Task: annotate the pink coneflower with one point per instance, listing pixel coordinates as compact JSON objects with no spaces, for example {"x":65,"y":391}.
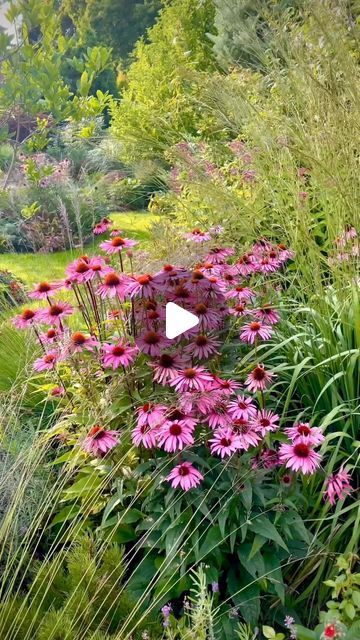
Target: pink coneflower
{"x":338,"y":486}
{"x":242,"y":408}
{"x":303,"y":432}
{"x":102,"y":226}
{"x":258,"y":379}
{"x":152,"y":343}
{"x":56,"y":313}
{"x":203,"y":346}
{"x":151,"y":415}
{"x":143,"y":435}
{"x":46,"y":362}
{"x":26,"y":319}
{"x":299,"y":456}
{"x":99,"y":441}
{"x":219,"y":415}
{"x":117,"y":244}
{"x":118,"y":354}
{"x":174,"y":414}
{"x":167,"y":367}
{"x":51,"y":335}
{"x":239,"y":310}
{"x":224,"y":442}
{"x":199,"y":402}
{"x":240,"y":293}
{"x":44,"y":289}
{"x":192,"y":379}
{"x":174,"y":436}
{"x":57,"y":391}
{"x":226,"y":387}
{"x":267,"y":314}
{"x":246,"y":264}
{"x":264,"y":421}
{"x":217,"y":255}
{"x":284,"y":253}
{"x":269,"y":458}
{"x":79,"y":270}
{"x":247,"y":436}
{"x":185,"y":476}
{"x":143,"y":286}
{"x":255,"y":330}
{"x":198,"y":236}
{"x":268,"y":265}
{"x":169,"y":274}
{"x":98,"y":267}
{"x":79,"y":342}
{"x":113,"y":285}
{"x":209,"y":318}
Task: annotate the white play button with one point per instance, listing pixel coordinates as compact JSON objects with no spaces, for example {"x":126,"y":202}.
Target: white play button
{"x":178,"y":320}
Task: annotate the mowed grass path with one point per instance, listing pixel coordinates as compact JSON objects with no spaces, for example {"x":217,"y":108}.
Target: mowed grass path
{"x":34,"y":267}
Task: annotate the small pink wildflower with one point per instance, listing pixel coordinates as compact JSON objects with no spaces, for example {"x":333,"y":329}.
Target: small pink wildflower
{"x":44,"y":289}
{"x":304,"y":433}
{"x":46,"y":362}
{"x":338,"y":486}
{"x":255,"y":330}
{"x":99,"y":441}
{"x":192,"y":379}
{"x":265,"y":421}
{"x":258,"y":379}
{"x":224,"y":442}
{"x":185,"y":475}
{"x":299,"y":456}
{"x":174,"y":436}
{"x":117,"y":244}
{"x":118,"y":354}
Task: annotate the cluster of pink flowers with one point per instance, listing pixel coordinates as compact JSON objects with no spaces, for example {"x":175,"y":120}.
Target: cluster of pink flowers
{"x":347,"y":246}
{"x":124,"y":323}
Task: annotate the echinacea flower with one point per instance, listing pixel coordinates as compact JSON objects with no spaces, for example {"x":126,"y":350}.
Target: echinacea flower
{"x":246,"y":434}
{"x":47,"y":362}
{"x":255,"y":330}
{"x":151,"y":415}
{"x":26,"y":319}
{"x":198,"y":236}
{"x":99,"y":441}
{"x":118,"y":354}
{"x":239,"y":310}
{"x":264,"y":421}
{"x":117,"y":244}
{"x":56,"y":313}
{"x":192,"y":379}
{"x":338,"y":486}
{"x":167,"y":367}
{"x":208,"y":318}
{"x":102,"y":226}
{"x":218,"y":417}
{"x":203,"y":346}
{"x":185,"y":475}
{"x":258,"y":379}
{"x":217,"y":255}
{"x":224,"y":442}
{"x":79,"y":341}
{"x":175,"y":435}
{"x":152,"y":343}
{"x":143,"y":286}
{"x":299,"y":456}
{"x":44,"y":289}
{"x":143,"y":435}
{"x":226,"y":386}
{"x":267,"y":314}
{"x":113,"y":285}
{"x":242,"y":408}
{"x":304,"y":433}
{"x":79,"y":270}
{"x":240,"y":293}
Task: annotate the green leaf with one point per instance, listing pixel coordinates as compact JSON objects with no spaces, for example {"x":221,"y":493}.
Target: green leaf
{"x":212,"y":540}
{"x":268,"y":632}
{"x":67,"y":513}
{"x":350,"y":610}
{"x":304,"y":634}
{"x":265,"y":528}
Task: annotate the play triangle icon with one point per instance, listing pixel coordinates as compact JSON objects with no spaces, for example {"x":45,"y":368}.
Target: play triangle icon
{"x":178,"y":320}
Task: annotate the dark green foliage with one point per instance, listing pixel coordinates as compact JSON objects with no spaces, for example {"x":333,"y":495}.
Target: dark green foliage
{"x":11,"y":290}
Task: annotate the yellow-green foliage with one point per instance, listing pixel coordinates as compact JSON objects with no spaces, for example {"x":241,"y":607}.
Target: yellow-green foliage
{"x":157,"y":102}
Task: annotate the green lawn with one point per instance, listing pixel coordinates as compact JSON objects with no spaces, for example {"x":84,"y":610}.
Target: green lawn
{"x":34,"y":267}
